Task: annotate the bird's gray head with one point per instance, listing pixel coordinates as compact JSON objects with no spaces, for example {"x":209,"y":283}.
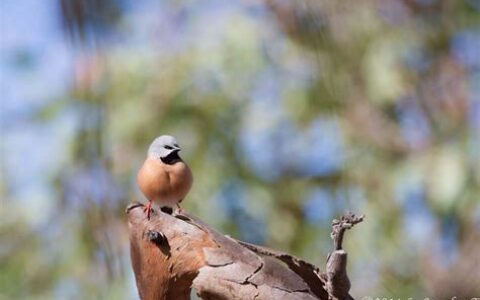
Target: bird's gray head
{"x":163,"y":146}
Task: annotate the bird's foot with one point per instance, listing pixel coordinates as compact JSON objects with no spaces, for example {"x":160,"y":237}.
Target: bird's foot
{"x":148,"y":209}
{"x":179,"y":210}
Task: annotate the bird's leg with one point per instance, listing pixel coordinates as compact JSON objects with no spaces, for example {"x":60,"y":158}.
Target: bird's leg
{"x":148,"y":209}
{"x":179,"y":209}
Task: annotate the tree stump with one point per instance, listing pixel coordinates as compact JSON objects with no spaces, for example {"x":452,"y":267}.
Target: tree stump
{"x":171,"y":254}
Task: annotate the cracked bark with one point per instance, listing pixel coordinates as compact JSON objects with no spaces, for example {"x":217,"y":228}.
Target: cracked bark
{"x":173,"y":254}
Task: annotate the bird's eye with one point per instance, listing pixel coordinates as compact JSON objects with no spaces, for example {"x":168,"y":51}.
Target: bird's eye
{"x":168,"y":147}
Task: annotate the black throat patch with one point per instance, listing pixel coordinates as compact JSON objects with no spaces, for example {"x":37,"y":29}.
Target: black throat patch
{"x":171,"y":158}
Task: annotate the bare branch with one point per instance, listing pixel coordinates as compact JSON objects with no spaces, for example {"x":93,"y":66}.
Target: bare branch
{"x":338,"y":283}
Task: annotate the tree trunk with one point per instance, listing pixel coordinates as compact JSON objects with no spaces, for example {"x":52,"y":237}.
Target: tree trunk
{"x":172,"y":253}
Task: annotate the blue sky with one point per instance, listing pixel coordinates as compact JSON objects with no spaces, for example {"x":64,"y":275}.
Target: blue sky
{"x":36,"y":64}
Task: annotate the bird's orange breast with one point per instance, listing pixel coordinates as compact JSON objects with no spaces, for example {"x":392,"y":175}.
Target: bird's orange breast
{"x":163,"y":183}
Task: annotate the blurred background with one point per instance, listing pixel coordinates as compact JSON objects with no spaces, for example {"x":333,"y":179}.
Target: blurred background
{"x":290,"y":113}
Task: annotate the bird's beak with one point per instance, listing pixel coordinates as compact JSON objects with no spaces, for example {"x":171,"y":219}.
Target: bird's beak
{"x":177,"y":148}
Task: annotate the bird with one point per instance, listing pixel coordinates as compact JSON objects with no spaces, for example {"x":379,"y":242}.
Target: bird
{"x":164,"y":178}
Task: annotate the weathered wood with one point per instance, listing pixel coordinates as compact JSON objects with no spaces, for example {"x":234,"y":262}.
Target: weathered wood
{"x":165,"y":270}
{"x":173,"y":253}
{"x":338,"y":283}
